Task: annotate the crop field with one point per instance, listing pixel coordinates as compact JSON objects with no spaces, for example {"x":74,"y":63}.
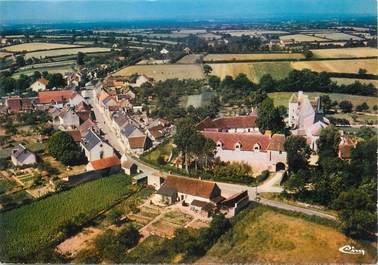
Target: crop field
{"x":254,"y":71}
{"x":264,"y":235}
{"x":51,"y":69}
{"x":27,"y":229}
{"x":190,"y":59}
{"x":5,"y":54}
{"x":345,"y":53}
{"x":348,"y":81}
{"x":250,"y":57}
{"x":301,"y":38}
{"x":37,"y":46}
{"x":239,"y":33}
{"x":337,"y":36}
{"x":62,"y":52}
{"x":282,"y":98}
{"x":163,"y":72}
{"x":339,"y":66}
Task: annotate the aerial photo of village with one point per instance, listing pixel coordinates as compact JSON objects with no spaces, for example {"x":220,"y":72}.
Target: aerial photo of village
{"x":188,"y":131}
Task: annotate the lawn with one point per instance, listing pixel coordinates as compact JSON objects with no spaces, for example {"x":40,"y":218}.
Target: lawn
{"x":254,"y":71}
{"x":197,"y":101}
{"x":29,"y":229}
{"x":164,"y":150}
{"x":265,"y":235}
{"x":164,"y":71}
{"x":177,"y":217}
{"x":61,"y":69}
{"x":282,"y":98}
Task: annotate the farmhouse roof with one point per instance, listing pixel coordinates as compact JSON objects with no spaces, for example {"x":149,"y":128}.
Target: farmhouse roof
{"x":167,"y":191}
{"x":105,"y":163}
{"x":21,"y":153}
{"x":16,"y":104}
{"x":137,"y":142}
{"x":246,"y":140}
{"x":90,"y":140}
{"x":128,"y":164}
{"x":86,"y":126}
{"x":228,"y":122}
{"x":195,"y":187}
{"x":46,"y":97}
{"x":277,"y":143}
{"x":131,"y":130}
{"x":231,"y":201}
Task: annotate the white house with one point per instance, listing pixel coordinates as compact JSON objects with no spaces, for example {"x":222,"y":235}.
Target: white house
{"x":164,"y":51}
{"x":259,"y":151}
{"x":21,"y":156}
{"x":67,"y":119}
{"x":76,"y":99}
{"x":142,"y":79}
{"x":94,"y":147}
{"x":39,"y":85}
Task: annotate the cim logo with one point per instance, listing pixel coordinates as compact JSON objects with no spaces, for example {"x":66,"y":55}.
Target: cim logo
{"x":351,"y":250}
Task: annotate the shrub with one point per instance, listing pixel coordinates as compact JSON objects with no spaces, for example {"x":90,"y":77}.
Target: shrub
{"x":263,"y":176}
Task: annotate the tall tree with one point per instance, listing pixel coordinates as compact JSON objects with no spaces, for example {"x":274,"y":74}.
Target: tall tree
{"x":63,"y":148}
{"x":328,"y":142}
{"x":298,"y":153}
{"x":269,"y":118}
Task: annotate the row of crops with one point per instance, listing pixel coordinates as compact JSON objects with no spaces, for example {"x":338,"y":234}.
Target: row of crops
{"x":28,"y":229}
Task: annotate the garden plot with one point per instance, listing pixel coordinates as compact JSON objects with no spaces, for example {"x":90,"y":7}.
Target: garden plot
{"x":168,"y":223}
{"x":145,"y":215}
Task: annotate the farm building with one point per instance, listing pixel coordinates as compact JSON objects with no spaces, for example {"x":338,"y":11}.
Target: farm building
{"x":130,"y":167}
{"x":56,"y":98}
{"x":230,"y":124}
{"x":17,"y":104}
{"x":112,"y":164}
{"x":155,"y":180}
{"x":259,"y":151}
{"x":21,"y":156}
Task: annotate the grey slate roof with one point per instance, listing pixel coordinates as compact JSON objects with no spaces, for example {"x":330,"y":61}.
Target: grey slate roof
{"x":170,"y":192}
{"x":21,"y":153}
{"x":90,"y":140}
{"x":128,"y":130}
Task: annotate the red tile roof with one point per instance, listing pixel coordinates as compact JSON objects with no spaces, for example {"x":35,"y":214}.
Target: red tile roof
{"x":76,"y":135}
{"x":195,"y":187}
{"x":43,"y":81}
{"x":345,"y":151}
{"x":137,"y":142}
{"x":228,"y":122}
{"x":247,"y":140}
{"x":46,"y":97}
{"x":105,"y":163}
{"x":16,"y":104}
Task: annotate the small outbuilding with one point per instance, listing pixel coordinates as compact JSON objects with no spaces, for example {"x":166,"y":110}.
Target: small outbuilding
{"x":130,"y":167}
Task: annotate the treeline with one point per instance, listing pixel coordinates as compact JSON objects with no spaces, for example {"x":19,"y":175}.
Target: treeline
{"x":234,"y":90}
{"x":349,"y":187}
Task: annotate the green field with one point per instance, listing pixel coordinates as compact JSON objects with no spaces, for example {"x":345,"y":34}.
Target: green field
{"x":282,"y":98}
{"x":59,"y":68}
{"x":6,"y":184}
{"x":197,"y":101}
{"x":163,"y":150}
{"x":265,"y":235}
{"x":29,"y":229}
{"x":254,"y":71}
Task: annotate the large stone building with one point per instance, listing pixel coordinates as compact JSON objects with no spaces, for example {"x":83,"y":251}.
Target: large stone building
{"x":306,"y":118}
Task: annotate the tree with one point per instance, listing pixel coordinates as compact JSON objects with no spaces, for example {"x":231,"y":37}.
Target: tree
{"x":298,"y":153}
{"x":328,"y":142}
{"x":362,"y":71}
{"x":63,"y":148}
{"x":308,"y":54}
{"x":56,"y":80}
{"x":80,"y":58}
{"x":20,"y":60}
{"x":267,"y":83}
{"x":269,"y":118}
{"x":362,"y":107}
{"x":207,"y":69}
{"x":214,"y":81}
{"x":327,"y":103}
{"x":129,"y":236}
{"x":346,"y":106}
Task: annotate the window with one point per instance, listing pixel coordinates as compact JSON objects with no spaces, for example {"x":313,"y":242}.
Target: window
{"x":238,"y":146}
{"x":101,"y":154}
{"x":257,"y":147}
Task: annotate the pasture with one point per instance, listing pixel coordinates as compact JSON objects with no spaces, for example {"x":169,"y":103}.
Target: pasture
{"x":337,"y":36}
{"x":301,"y":38}
{"x":345,"y":53}
{"x":197,"y":101}
{"x":265,"y":235}
{"x":252,"y":56}
{"x":37,"y":46}
{"x":190,"y":59}
{"x":339,"y":66}
{"x":254,"y":71}
{"x":282,"y":98}
{"x":30,"y":228}
{"x":164,"y":72}
{"x":62,"y":52}
{"x":51,"y":69}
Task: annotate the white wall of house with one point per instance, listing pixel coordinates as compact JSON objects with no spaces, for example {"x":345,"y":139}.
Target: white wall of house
{"x":70,"y":120}
{"x":258,"y":160}
{"x":155,"y":181}
{"x":76,"y":100}
{"x":189,"y":198}
{"x":38,"y":86}
{"x":101,"y":150}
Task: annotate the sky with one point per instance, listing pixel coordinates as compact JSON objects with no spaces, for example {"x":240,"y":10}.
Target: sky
{"x":13,"y":11}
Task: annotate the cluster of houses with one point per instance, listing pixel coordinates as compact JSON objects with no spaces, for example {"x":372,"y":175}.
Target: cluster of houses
{"x":135,"y":130}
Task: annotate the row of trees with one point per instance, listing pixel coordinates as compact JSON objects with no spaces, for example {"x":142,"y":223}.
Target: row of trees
{"x":346,"y":186}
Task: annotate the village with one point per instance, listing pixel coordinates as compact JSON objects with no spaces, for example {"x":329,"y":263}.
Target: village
{"x":204,"y":142}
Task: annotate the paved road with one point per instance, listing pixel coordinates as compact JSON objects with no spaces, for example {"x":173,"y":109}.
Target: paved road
{"x":228,"y":189}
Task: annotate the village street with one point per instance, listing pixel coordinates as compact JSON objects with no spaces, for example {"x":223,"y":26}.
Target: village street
{"x":228,"y":189}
